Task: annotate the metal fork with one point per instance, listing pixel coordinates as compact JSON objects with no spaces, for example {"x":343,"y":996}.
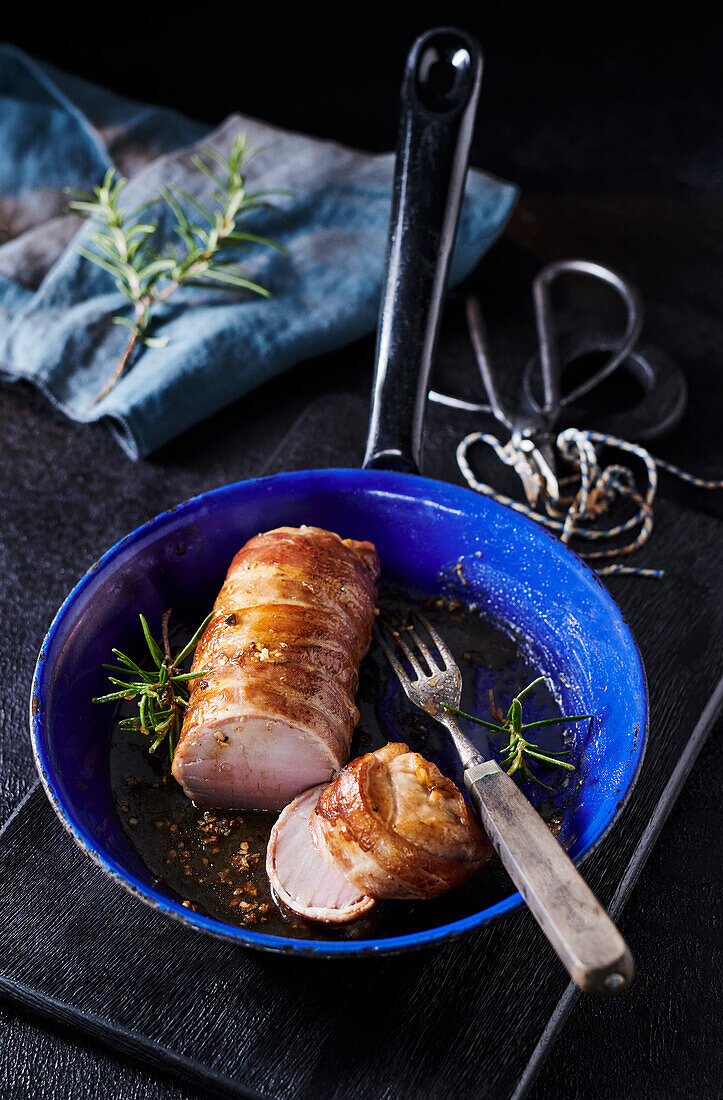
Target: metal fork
{"x":583,"y":935}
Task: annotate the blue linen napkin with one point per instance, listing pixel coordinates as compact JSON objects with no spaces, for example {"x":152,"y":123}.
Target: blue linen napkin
{"x":57,"y":309}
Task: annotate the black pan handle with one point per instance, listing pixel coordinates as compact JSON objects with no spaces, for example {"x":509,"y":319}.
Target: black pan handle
{"x":439,"y":99}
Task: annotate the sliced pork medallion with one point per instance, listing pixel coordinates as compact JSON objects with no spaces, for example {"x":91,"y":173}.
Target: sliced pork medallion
{"x":395,"y":827}
{"x":301,"y":879}
{"x":274,"y":712}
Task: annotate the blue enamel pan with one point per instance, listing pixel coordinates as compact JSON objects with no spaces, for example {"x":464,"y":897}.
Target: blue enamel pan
{"x":515,"y":571}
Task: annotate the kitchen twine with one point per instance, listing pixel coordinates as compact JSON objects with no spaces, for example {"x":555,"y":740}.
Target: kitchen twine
{"x":597,"y":489}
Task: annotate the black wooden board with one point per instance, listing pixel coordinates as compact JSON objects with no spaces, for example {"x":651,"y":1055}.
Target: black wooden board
{"x":75,"y":947}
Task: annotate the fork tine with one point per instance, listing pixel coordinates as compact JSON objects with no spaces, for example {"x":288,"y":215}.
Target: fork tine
{"x":423,"y":649}
{"x":409,"y":653}
{"x":392,"y":657}
{"x":443,"y":649}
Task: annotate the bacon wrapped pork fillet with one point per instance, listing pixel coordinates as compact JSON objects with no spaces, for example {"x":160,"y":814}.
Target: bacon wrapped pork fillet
{"x":274,"y":712}
{"x":389,"y":826}
{"x":395,"y":827}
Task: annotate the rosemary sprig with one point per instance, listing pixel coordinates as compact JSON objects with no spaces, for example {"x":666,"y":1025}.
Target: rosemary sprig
{"x":161,"y":693}
{"x":207,"y":253}
{"x":514,"y":755}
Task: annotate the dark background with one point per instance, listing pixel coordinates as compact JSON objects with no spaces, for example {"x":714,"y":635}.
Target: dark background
{"x":610,"y":119}
{"x":602,"y":88}
{"x":594,"y":90}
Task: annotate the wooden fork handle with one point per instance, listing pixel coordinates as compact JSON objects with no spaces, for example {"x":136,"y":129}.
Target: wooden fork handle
{"x":561,"y":902}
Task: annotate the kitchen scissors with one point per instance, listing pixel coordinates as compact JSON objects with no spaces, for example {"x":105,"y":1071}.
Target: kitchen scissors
{"x":546,"y":406}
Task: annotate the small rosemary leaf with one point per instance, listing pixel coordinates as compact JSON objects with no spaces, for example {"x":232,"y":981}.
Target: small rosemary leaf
{"x":533,"y":778}
{"x":112,"y":696}
{"x":193,"y":201}
{"x":155,"y":268}
{"x":246,"y":206}
{"x":194,"y":256}
{"x":251,"y":149}
{"x":525,"y":691}
{"x":156,"y":341}
{"x":149,"y":688}
{"x":229,"y":251}
{"x":139,"y":253}
{"x":472,"y":718}
{"x":128,"y":272}
{"x":141,"y":227}
{"x":117,"y":266}
{"x":517,"y":715}
{"x":215,"y":155}
{"x":176,"y":207}
{"x":153,"y":648}
{"x":549,"y":759}
{"x":253,"y":195}
{"x":231,"y":279}
{"x":81,"y":205}
{"x":185,"y":236}
{"x":203,"y":167}
{"x":183,"y":227}
{"x":254,"y":239}
{"x":228,"y":263}
{"x":125,"y":660}
{"x":107,"y":247}
{"x":180,"y":658}
{"x":116,"y":189}
{"x":202,"y":236}
{"x":125,"y":321}
{"x":94,"y":258}
{"x":86,"y":196}
{"x":556,"y":721}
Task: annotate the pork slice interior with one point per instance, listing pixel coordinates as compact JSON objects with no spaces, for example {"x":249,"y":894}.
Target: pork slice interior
{"x":251,"y":763}
{"x":300,"y":877}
